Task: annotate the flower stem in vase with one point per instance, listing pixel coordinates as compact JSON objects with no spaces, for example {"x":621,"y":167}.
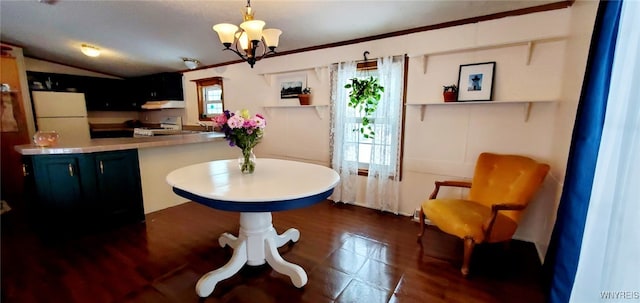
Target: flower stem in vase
{"x":247,"y":162}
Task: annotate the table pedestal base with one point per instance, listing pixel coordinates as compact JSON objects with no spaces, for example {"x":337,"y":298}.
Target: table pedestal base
{"x":256,"y":244}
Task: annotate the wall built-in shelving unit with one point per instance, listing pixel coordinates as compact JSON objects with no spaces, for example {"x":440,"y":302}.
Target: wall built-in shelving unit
{"x":526,"y":105}
{"x":317,"y":70}
{"x":530,"y":43}
{"x":320,"y":109}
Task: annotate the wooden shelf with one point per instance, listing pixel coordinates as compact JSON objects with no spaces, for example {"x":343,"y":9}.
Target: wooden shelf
{"x":526,"y":105}
{"x":318,"y":73}
{"x":530,"y":43}
{"x":318,"y":108}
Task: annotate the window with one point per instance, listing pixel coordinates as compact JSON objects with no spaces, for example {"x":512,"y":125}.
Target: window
{"x":361,"y":146}
{"x":383,"y":151}
{"x":210,"y":97}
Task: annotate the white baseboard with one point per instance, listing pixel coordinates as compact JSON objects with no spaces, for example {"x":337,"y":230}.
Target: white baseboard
{"x":416,"y":215}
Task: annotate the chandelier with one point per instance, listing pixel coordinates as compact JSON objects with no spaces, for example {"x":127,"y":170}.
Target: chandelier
{"x":248,"y":38}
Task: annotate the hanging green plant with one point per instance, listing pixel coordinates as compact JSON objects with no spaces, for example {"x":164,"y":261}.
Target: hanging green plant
{"x":364,"y":97}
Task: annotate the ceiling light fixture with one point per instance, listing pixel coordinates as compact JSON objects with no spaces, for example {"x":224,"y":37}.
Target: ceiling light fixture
{"x":248,"y":37}
{"x":90,"y":50}
{"x":191,"y":63}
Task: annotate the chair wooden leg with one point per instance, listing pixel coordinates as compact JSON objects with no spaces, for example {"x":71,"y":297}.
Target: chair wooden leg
{"x":469,"y":244}
{"x":421,"y":217}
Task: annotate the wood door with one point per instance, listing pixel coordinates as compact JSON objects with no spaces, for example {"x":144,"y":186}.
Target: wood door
{"x":14,"y":132}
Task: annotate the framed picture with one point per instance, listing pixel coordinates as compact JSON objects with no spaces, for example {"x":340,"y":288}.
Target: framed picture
{"x":475,"y":81}
{"x":292,"y":85}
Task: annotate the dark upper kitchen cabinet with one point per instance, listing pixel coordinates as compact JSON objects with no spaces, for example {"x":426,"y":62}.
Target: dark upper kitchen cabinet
{"x":105,"y":94}
{"x":101,"y":94}
{"x":159,"y":87}
{"x":55,"y":82}
{"x":83,"y":190}
{"x":109,"y":94}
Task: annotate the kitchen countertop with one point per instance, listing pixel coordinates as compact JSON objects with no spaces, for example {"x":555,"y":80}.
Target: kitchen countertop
{"x":111,"y":144}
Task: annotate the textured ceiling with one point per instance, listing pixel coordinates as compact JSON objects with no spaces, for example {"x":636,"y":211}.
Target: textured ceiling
{"x":145,"y":37}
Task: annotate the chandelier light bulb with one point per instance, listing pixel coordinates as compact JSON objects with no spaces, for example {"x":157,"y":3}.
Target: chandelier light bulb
{"x":226,"y":33}
{"x":271,"y":37}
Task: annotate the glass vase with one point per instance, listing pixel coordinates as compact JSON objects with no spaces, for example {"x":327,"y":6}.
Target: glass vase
{"x":247,"y":162}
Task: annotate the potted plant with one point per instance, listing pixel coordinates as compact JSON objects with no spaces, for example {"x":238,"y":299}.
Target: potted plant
{"x":305,"y":97}
{"x":450,"y":93}
{"x":364,"y":97}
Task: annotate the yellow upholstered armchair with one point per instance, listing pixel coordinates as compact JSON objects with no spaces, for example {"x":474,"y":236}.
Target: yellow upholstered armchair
{"x":501,"y":188}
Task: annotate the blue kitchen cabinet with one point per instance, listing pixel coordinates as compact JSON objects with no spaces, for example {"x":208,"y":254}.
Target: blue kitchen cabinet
{"x":118,"y":188}
{"x":57,"y":199}
{"x":77,"y":191}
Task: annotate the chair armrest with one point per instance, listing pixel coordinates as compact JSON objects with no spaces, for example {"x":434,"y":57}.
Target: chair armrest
{"x":495,"y":208}
{"x":434,"y":194}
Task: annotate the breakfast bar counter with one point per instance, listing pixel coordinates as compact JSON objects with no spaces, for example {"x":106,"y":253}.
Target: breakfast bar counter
{"x":112,"y":144}
{"x":153,"y":157}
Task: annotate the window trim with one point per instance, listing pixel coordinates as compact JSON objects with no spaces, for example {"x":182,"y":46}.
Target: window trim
{"x":200,"y":83}
{"x":365,"y":67}
{"x":404,"y":114}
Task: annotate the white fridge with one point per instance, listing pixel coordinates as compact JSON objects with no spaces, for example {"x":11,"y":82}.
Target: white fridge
{"x":63,"y":112}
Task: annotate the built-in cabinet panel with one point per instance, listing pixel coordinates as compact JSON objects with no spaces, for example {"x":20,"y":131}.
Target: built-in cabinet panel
{"x":58,"y":186}
{"x":118,"y":187}
{"x":104,"y":94}
{"x":15,"y":128}
{"x":159,"y":87}
{"x":56,"y":82}
{"x":83,"y":190}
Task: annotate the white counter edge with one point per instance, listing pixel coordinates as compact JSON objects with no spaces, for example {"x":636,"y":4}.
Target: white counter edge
{"x":111,"y":144}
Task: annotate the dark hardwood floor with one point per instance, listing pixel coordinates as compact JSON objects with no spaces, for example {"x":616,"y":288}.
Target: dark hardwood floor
{"x":351,"y":254}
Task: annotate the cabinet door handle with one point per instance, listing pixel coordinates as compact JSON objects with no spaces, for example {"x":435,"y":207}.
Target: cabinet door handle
{"x":24,"y":170}
{"x":101,"y":167}
{"x":70,"y":170}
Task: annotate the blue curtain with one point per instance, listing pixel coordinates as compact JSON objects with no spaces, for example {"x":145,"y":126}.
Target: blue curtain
{"x":561,"y":261}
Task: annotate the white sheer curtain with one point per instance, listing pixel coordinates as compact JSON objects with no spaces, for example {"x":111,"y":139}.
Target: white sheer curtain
{"x":343,"y":140}
{"x":609,"y":265}
{"x":383,"y":182}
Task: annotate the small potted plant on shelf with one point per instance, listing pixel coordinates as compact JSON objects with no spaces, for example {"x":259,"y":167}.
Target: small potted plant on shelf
{"x":450,"y":93}
{"x":305,"y":97}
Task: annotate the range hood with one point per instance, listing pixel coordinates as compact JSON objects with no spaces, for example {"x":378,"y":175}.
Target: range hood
{"x":163,"y":104}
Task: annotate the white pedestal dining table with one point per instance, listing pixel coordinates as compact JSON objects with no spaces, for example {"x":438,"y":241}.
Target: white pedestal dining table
{"x":276,"y":185}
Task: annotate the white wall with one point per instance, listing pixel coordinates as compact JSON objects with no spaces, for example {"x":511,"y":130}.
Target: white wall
{"x":156,"y":163}
{"x":446,"y":144}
